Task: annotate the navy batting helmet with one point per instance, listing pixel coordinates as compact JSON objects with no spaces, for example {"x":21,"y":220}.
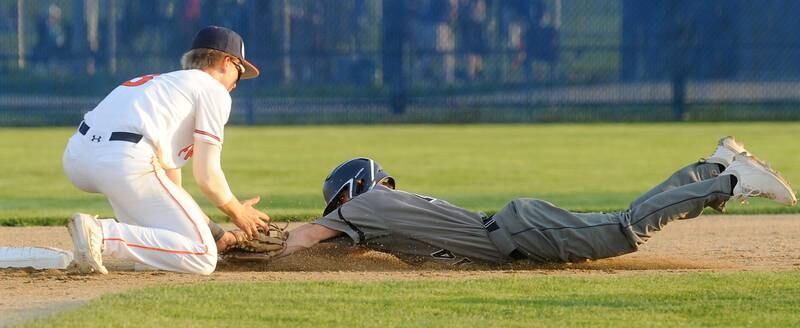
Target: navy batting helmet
{"x":355,"y":176}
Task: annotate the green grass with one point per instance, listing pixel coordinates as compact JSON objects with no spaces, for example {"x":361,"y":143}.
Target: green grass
{"x":583,"y":167}
{"x":630,"y":300}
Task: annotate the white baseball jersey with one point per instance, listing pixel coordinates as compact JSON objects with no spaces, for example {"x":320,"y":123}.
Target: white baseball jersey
{"x":157,"y":222}
{"x":169,"y":110}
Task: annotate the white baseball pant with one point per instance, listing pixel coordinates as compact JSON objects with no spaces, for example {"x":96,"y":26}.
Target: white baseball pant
{"x":160,"y":225}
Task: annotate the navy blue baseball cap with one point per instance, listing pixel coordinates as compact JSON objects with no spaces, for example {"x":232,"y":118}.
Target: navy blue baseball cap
{"x":227,"y":41}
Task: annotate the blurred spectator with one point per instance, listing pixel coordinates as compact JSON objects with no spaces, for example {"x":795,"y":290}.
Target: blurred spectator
{"x":351,"y":65}
{"x":168,"y":18}
{"x":446,"y":41}
{"x":52,"y":45}
{"x":532,"y":34}
{"x":232,"y":14}
{"x":8,"y":18}
{"x":152,"y":27}
{"x":8,"y":24}
{"x":190,"y":18}
{"x":433,"y":39}
{"x":543,"y":44}
{"x":307,"y":42}
{"x":340,"y":38}
{"x":517,"y":18}
{"x":509,"y":25}
{"x":360,"y":22}
{"x":472,"y":30}
{"x":92,"y":14}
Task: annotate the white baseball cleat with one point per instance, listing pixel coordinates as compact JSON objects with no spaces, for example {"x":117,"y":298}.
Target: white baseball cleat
{"x":87,"y":241}
{"x":727,"y":148}
{"x":757,"y":179}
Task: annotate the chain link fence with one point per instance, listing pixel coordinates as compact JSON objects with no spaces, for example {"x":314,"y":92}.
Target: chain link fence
{"x":427,"y":61}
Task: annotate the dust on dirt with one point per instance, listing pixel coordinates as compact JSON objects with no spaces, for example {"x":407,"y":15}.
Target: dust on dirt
{"x":710,"y":243}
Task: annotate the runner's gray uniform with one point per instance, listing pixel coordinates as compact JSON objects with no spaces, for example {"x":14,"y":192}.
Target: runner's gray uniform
{"x":416,"y":227}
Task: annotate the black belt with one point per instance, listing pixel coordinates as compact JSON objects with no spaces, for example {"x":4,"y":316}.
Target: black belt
{"x":121,"y":136}
{"x":490,"y":224}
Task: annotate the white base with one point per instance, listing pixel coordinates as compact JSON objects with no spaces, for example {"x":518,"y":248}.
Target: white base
{"x":34,"y":257}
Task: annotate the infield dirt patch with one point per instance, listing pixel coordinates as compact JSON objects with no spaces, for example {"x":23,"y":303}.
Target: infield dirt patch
{"x":710,"y":243}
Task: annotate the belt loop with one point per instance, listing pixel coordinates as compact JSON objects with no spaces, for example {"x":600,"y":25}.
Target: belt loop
{"x":83,"y":128}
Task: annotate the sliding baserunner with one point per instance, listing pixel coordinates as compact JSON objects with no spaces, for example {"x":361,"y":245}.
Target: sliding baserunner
{"x":363,"y":204}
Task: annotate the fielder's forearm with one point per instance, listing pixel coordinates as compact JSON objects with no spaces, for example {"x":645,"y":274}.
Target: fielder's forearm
{"x":231,"y":208}
{"x":207,"y":171}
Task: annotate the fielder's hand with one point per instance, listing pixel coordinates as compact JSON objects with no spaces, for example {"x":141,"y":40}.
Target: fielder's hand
{"x":249,"y":219}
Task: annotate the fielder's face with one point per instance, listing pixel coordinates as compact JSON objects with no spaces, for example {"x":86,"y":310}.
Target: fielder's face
{"x":232,"y":70}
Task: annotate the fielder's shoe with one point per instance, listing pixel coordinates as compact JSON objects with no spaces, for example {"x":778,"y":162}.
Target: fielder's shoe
{"x":87,"y":241}
{"x":727,"y":148}
{"x":757,"y":179}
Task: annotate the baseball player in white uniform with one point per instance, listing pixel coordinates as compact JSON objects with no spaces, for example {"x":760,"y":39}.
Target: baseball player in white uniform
{"x":131,"y":148}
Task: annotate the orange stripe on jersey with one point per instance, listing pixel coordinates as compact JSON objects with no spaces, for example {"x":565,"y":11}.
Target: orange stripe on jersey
{"x":207,"y":134}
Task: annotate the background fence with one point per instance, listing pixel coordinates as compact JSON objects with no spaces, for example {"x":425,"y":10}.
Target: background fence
{"x":368,"y":61}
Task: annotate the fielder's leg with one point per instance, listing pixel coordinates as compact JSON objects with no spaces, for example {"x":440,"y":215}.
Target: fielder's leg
{"x":160,"y":226}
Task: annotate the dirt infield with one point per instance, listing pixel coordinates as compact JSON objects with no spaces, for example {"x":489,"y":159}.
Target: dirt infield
{"x":711,"y":243}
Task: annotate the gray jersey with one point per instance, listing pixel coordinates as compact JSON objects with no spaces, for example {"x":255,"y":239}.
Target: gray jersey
{"x":413,"y":227}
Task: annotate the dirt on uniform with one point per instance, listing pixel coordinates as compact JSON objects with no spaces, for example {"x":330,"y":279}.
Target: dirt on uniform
{"x":710,"y":243}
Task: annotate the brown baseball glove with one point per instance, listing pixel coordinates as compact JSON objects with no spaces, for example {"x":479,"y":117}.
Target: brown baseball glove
{"x":264,"y":247}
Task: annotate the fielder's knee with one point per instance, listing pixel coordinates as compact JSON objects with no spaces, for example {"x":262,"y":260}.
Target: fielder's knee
{"x":202,"y":264}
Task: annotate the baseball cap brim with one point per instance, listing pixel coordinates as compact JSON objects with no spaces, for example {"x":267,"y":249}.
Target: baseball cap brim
{"x":250,"y":70}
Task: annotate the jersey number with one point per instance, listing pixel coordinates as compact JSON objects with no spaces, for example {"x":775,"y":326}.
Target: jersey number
{"x":135,"y":82}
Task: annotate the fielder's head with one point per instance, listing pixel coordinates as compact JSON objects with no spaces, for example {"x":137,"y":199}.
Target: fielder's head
{"x":220,"y":49}
{"x":352,"y":178}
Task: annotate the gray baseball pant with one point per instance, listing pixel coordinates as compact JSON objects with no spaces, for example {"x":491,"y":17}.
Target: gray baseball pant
{"x":543,"y":232}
